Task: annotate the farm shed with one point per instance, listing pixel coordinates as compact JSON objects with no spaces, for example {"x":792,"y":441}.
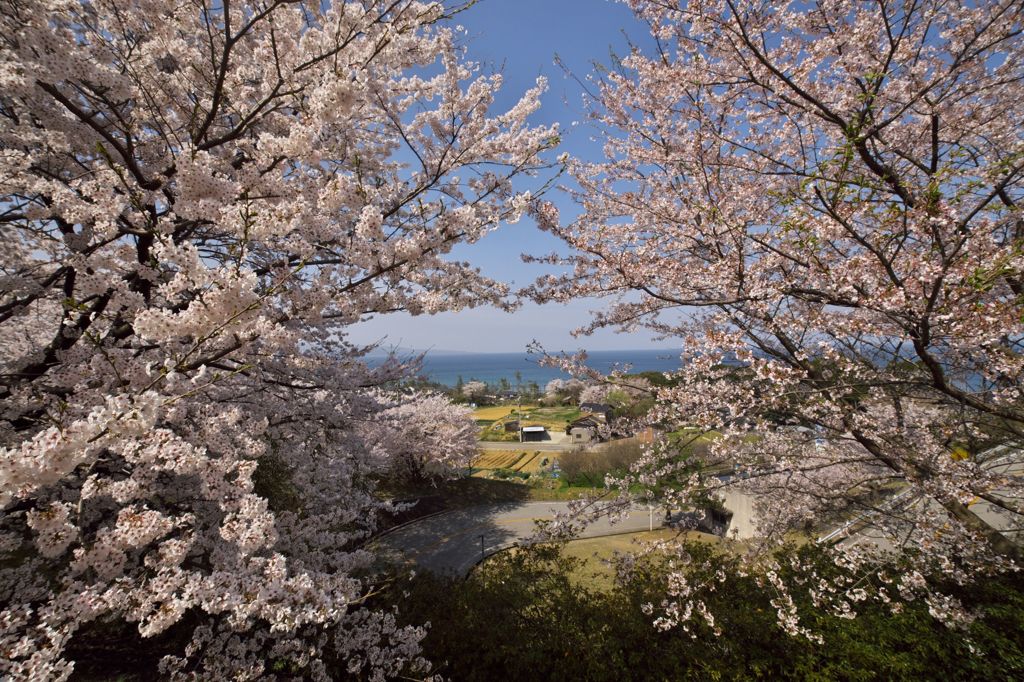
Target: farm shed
{"x":534,"y":433}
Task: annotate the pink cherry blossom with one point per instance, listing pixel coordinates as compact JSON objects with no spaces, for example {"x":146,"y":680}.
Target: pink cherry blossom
{"x":197,"y":200}
{"x":821,"y":203}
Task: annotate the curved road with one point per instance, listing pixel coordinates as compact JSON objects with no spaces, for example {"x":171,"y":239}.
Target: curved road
{"x":450,"y":542}
{"x":454,"y":541}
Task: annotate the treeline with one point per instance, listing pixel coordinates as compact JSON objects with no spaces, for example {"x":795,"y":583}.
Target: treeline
{"x":487,"y":391}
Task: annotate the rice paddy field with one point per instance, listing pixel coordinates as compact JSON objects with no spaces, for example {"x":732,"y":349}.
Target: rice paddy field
{"x":525,"y":462}
{"x":498,"y":459}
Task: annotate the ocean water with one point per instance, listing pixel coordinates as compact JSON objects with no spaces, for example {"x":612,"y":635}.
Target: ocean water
{"x":446,"y":368}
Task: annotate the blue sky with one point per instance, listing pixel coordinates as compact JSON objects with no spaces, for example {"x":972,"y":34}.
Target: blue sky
{"x":520,"y":38}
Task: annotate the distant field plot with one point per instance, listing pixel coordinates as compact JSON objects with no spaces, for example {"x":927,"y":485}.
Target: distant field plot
{"x":491,"y":413}
{"x":693,"y":439}
{"x":541,"y":460}
{"x":497,"y":459}
{"x":496,"y":433}
{"x":495,"y":412}
{"x":566,"y":412}
{"x":553,"y":418}
{"x":525,"y":461}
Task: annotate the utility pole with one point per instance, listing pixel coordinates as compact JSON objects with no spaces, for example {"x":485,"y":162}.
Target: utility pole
{"x":481,"y":546}
{"x":519,"y":413}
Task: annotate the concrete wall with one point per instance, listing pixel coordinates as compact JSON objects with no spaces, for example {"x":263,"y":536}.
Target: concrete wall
{"x":581,"y":434}
{"x":742,"y":507}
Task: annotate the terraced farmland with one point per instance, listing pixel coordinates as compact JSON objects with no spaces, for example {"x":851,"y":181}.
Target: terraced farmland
{"x":532,"y":463}
{"x":525,"y":462}
{"x":497,"y":459}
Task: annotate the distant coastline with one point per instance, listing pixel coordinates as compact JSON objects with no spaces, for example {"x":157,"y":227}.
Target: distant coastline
{"x":446,"y":367}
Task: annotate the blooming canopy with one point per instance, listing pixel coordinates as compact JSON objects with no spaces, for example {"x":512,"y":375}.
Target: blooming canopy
{"x":196,"y":199}
{"x":821,"y":201}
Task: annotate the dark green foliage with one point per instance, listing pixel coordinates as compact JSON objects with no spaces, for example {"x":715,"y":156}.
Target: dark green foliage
{"x":518,"y":618}
{"x":656,"y":378}
{"x":273,"y":480}
{"x":505,"y":474}
{"x":522,"y":616}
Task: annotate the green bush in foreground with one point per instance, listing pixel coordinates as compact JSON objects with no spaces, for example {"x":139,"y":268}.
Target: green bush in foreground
{"x":522,"y":617}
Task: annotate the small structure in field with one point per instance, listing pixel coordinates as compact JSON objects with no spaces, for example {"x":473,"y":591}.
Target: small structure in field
{"x":534,"y":433}
{"x":512,"y":426}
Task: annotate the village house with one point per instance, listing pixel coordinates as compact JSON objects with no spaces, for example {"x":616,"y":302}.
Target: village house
{"x":588,"y":428}
{"x":598,"y":411}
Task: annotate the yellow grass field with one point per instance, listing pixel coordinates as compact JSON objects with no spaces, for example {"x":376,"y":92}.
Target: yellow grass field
{"x":596,"y":573}
{"x":535,"y":464}
{"x":494,"y":412}
{"x":525,"y":461}
{"x":497,"y":459}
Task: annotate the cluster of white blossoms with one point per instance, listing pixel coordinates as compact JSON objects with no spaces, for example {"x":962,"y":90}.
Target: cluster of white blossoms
{"x":195,"y":204}
{"x":821,"y":202}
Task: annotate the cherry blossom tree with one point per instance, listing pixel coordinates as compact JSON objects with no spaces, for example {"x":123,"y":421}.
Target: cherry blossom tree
{"x":197,"y":198}
{"x":563,"y":390}
{"x":596,"y":393}
{"x":821,"y":201}
{"x":424,"y":436}
{"x":474,"y":389}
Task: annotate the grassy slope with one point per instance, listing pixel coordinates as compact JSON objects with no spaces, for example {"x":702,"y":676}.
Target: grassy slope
{"x":596,"y":572}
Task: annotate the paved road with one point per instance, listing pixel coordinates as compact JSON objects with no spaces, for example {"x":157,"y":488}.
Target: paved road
{"x":543,"y":446}
{"x":451,"y":542}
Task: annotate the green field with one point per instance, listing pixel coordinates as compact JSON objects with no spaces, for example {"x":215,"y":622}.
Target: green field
{"x":555,"y":419}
